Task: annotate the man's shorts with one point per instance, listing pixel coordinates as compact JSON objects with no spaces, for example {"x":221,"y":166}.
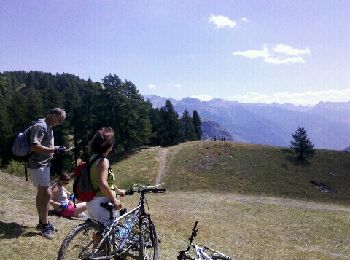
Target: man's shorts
{"x":40,"y":177}
{"x":68,"y":212}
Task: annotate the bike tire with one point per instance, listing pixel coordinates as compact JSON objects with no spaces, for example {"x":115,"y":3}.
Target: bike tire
{"x":79,"y":243}
{"x":148,"y":241}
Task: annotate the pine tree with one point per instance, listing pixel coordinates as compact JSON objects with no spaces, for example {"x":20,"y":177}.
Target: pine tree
{"x":170,"y":129}
{"x":197,"y":124}
{"x":5,"y":123}
{"x":187,"y":129}
{"x":301,"y":144}
{"x":126,"y":112}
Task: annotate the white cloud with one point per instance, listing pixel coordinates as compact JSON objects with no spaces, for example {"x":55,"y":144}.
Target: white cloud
{"x":203,"y":97}
{"x":222,"y":21}
{"x":297,"y":98}
{"x":284,"y":60}
{"x":244,"y":19}
{"x":253,"y":54}
{"x":151,"y":86}
{"x":287,"y":50}
{"x":177,"y":86}
{"x":280,"y":54}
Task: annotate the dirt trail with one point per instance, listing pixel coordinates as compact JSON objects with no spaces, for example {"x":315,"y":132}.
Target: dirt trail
{"x":162,"y":162}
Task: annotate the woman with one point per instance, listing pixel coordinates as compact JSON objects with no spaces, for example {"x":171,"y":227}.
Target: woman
{"x":102,"y":176}
{"x":62,"y":199}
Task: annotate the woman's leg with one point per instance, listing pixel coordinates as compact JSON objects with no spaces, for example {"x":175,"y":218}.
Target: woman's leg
{"x":80,"y":207}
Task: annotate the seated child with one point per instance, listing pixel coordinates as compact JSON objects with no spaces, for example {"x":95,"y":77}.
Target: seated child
{"x":62,"y":200}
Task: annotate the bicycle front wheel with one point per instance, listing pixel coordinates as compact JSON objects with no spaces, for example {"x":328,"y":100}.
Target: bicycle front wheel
{"x":82,"y":241}
{"x":148,"y":242}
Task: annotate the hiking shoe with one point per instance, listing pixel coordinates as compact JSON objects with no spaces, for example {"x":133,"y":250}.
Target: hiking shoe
{"x":40,"y":226}
{"x":47,"y":231}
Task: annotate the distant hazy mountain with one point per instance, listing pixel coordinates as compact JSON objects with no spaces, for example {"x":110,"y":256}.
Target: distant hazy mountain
{"x":213,"y":130}
{"x":327,"y":124}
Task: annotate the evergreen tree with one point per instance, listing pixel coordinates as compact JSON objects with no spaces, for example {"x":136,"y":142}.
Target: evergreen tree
{"x":301,"y":144}
{"x":126,"y":112}
{"x":187,"y":129}
{"x":5,"y":123}
{"x":170,"y":130}
{"x":156,"y":121}
{"x":26,"y":96}
{"x":197,"y":125}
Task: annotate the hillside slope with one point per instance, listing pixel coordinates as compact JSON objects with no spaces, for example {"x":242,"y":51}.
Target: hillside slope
{"x":242,"y":226}
{"x":256,"y":169}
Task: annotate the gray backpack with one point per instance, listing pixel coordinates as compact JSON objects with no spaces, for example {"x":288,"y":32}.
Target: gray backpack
{"x":22,"y":146}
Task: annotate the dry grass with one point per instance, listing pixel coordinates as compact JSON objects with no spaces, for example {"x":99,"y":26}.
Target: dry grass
{"x":246,"y":227}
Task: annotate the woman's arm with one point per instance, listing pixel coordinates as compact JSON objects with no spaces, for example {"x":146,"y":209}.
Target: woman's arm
{"x":55,"y":204}
{"x":119,"y":191}
{"x":102,"y":167}
{"x":53,"y":200}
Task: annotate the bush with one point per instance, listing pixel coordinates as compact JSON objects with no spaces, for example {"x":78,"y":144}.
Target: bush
{"x":16,"y":168}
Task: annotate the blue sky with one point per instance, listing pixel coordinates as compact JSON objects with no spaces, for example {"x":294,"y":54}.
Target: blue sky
{"x":249,"y":51}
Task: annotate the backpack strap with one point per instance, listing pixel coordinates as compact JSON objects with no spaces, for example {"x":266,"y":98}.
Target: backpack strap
{"x":40,"y":120}
{"x":90,"y":163}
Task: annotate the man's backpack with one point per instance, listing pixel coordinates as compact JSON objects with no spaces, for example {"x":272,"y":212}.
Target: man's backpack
{"x":22,"y":146}
{"x":82,"y":187}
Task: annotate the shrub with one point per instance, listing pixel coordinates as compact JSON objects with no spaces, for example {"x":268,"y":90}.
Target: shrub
{"x":15,"y":168}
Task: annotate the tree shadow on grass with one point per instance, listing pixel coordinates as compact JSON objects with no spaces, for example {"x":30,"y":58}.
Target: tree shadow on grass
{"x":14,"y":230}
{"x":296,"y":161}
{"x":116,"y":157}
{"x":292,"y":158}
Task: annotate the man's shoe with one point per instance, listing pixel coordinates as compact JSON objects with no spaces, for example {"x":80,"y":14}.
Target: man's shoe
{"x":40,"y":226}
{"x":47,"y":231}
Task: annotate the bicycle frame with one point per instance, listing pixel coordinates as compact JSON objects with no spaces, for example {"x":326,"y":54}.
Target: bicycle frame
{"x":109,"y":233}
{"x":200,"y":251}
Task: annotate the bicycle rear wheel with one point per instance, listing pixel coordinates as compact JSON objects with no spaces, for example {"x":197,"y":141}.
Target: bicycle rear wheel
{"x":81,"y":243}
{"x":148,"y":241}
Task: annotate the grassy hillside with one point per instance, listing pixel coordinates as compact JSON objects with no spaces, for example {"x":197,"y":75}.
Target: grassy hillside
{"x":204,"y":179}
{"x":246,"y":227}
{"x":255,"y":169}
{"x":139,"y":166}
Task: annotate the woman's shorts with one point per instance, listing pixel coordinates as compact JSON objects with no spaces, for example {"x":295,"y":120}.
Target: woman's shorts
{"x":68,"y":212}
{"x":98,"y":213}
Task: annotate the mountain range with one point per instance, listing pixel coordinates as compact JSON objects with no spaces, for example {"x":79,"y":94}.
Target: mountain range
{"x":327,"y":123}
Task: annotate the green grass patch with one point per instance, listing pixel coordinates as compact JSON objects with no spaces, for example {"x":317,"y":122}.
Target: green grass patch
{"x":140,"y":166}
{"x":257,"y":169}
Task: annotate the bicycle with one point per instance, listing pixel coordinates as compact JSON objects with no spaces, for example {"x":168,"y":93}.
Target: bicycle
{"x":133,"y":231}
{"x":201,"y":252}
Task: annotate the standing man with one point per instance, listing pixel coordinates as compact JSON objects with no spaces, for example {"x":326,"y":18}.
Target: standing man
{"x":42,"y":146}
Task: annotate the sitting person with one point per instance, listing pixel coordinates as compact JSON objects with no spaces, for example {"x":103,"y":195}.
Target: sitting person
{"x":102,"y":177}
{"x":62,"y":200}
